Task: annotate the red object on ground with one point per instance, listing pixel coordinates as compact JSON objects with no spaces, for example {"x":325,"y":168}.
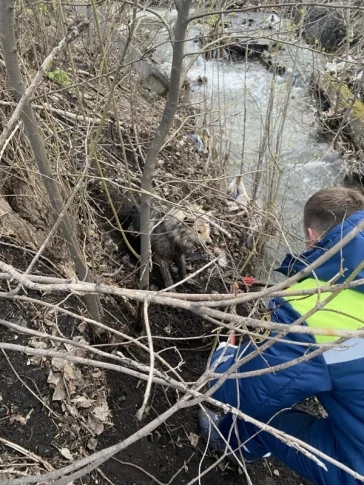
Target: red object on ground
{"x":249,"y":280}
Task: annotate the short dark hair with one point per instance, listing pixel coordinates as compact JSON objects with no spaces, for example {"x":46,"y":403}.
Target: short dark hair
{"x":331,"y":206}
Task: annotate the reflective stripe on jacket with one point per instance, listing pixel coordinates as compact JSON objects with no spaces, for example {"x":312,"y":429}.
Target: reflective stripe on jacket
{"x":344,"y":402}
{"x":336,"y":377}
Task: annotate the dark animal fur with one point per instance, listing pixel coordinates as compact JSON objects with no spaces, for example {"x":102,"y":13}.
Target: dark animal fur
{"x":170,"y":240}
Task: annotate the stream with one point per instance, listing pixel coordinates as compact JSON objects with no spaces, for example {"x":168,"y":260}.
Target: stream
{"x":235,"y":91}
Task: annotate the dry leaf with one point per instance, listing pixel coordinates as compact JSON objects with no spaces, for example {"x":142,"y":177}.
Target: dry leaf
{"x":82,"y":402}
{"x":193,"y":439}
{"x":71,"y":387}
{"x":101,"y":412}
{"x":222,"y":258}
{"x":92,"y":444}
{"x":95,"y":425}
{"x":65,"y":452}
{"x":53,"y":377}
{"x":79,"y":352}
{"x":79,"y":376}
{"x":59,"y":393}
{"x":68,"y":372}
{"x":58,"y":363}
{"x":35,"y":360}
{"x":37,"y":344}
{"x":20,"y":419}
{"x":72,"y":410}
{"x":83,"y":326}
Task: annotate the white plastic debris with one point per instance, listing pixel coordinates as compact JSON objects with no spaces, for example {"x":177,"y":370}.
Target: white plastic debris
{"x":222,"y":260}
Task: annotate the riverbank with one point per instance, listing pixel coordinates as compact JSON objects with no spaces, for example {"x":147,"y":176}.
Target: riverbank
{"x":234,"y":118}
{"x":53,"y":412}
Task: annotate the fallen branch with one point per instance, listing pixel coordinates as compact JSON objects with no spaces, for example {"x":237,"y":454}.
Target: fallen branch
{"x":99,"y":457}
{"x":93,"y":350}
{"x":35,"y":278}
{"x":76,"y":118}
{"x":148,"y":388}
{"x":27,"y":453}
{"x":195,"y":307}
{"x":196,"y":297}
{"x":199,"y":309}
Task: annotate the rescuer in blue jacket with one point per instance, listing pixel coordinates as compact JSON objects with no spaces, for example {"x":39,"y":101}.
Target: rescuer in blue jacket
{"x":335,"y":377}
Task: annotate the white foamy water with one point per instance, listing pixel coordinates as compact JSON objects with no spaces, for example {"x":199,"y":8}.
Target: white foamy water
{"x":238,"y":96}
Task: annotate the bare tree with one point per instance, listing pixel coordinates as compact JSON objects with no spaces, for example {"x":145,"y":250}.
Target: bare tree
{"x":8,"y":42}
{"x":183,"y":8}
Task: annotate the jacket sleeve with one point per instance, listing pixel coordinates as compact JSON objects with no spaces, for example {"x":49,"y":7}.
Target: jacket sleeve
{"x":262,"y":396}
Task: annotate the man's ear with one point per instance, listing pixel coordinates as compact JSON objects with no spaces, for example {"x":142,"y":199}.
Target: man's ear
{"x":312,"y":236}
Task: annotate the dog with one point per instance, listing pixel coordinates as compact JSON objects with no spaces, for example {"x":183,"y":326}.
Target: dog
{"x":173,"y":234}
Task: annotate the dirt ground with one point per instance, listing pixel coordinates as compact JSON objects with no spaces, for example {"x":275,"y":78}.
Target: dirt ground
{"x":168,"y":450}
{"x":44,"y":428}
{"x":51,"y":414}
{"x":154,"y":459}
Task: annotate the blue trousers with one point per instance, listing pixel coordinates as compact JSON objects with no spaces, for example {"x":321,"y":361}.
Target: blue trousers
{"x":316,"y":432}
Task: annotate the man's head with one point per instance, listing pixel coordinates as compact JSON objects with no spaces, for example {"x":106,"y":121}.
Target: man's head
{"x":327,"y":208}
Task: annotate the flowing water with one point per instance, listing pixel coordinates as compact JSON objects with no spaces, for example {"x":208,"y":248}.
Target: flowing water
{"x":238,"y":94}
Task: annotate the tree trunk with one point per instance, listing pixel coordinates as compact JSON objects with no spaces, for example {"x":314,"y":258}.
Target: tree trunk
{"x":183,"y":7}
{"x":8,"y":42}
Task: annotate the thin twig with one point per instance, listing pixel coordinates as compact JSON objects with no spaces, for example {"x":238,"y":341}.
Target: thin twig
{"x":141,"y":469}
{"x":25,"y":452}
{"x":38,"y":78}
{"x":25,"y":385}
{"x":148,"y":388}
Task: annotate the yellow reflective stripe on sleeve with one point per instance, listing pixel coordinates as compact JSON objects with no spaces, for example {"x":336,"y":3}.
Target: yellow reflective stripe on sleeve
{"x":344,"y":312}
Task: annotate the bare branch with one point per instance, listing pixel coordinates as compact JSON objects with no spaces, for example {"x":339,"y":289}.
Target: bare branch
{"x":160,"y":136}
{"x":8,"y":41}
{"x":73,"y":33}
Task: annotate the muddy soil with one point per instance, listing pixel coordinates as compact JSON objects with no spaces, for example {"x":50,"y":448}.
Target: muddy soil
{"x":53,"y":432}
{"x":169,"y":454}
{"x":29,"y":418}
{"x":164,"y":456}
